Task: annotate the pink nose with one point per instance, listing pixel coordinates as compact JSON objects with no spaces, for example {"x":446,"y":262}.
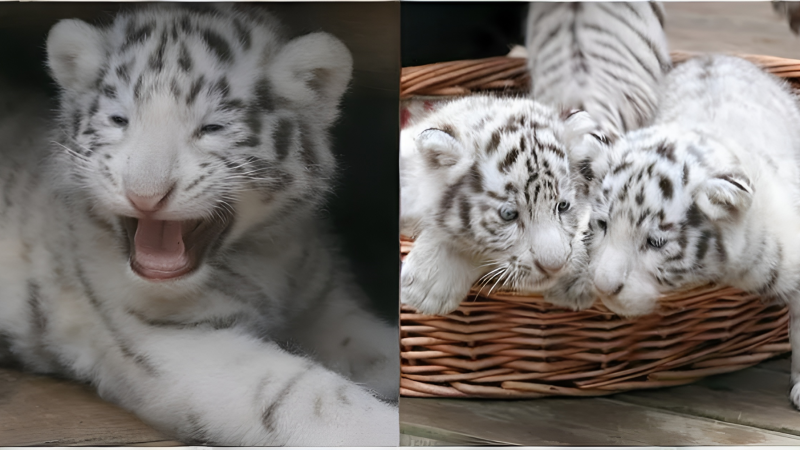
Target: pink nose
{"x":147,"y":204}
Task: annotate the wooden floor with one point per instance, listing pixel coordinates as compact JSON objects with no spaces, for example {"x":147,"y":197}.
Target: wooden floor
{"x":749,"y":407}
{"x":37,"y":410}
{"x":735,"y":27}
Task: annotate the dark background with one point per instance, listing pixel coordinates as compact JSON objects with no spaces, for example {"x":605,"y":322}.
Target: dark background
{"x":447,"y":31}
{"x":364,"y":207}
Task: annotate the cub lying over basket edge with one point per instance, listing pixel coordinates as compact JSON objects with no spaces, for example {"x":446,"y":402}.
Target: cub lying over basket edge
{"x":491,"y":192}
{"x":709,"y":193}
{"x":166,"y":235}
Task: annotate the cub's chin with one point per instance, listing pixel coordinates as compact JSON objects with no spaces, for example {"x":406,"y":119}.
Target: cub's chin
{"x":162,"y":250}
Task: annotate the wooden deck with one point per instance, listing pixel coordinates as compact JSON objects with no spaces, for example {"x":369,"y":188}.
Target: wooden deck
{"x":750,"y":407}
{"x":38,"y":410}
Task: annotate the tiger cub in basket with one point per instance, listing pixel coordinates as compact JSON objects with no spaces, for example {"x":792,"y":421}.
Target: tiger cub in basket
{"x":489,"y":191}
{"x":709,"y":193}
{"x":166,"y":236}
{"x":605,"y":58}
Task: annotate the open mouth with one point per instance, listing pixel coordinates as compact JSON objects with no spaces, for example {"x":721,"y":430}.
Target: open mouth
{"x":168,"y":249}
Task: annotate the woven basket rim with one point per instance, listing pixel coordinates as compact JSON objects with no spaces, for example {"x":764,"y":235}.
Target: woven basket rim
{"x":510,"y":73}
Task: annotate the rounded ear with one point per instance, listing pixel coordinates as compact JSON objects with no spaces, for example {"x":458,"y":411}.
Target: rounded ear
{"x":438,"y":148}
{"x":722,"y":197}
{"x":313,"y":71}
{"x":75,"y":52}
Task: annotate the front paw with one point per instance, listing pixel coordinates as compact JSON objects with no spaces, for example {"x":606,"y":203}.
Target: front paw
{"x":430,"y":296}
{"x":794,"y":395}
{"x":575,"y":293}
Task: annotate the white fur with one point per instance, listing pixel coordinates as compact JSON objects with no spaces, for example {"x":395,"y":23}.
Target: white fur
{"x":724,"y":174}
{"x":267,"y":343}
{"x":607,"y":58}
{"x":444,"y":154}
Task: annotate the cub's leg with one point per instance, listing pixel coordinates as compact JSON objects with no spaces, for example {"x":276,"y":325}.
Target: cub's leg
{"x":794,"y":331}
{"x":352,"y":341}
{"x":226,"y":388}
{"x":436,"y":277}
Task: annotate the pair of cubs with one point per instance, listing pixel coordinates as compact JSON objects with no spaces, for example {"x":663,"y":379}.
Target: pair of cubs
{"x":510,"y":193}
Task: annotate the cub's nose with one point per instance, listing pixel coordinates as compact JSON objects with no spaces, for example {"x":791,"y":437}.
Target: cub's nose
{"x":148,"y":204}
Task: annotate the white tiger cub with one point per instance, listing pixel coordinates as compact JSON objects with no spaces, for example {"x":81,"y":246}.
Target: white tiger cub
{"x":710,"y":193}
{"x":173,"y":238}
{"x":489,"y":192}
{"x":606,"y":58}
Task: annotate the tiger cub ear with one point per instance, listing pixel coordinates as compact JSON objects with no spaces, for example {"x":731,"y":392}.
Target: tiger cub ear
{"x":75,"y":52}
{"x":724,"y":196}
{"x":439,"y":148}
{"x":313,"y":71}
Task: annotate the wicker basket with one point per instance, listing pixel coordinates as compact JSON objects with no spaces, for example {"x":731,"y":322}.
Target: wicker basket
{"x":507,"y":345}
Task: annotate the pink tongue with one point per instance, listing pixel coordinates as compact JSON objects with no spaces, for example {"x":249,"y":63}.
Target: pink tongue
{"x":159,"y":245}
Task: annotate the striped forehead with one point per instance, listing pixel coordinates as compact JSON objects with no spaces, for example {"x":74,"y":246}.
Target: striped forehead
{"x":647,"y":184}
{"x":184,"y":52}
{"x":528,"y":159}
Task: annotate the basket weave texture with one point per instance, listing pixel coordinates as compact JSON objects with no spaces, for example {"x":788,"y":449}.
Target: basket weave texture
{"x":510,"y":345}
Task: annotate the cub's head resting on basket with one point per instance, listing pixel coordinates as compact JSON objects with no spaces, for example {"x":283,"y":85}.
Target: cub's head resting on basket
{"x":491,"y":192}
{"x":658,"y":218}
{"x":707,"y":194}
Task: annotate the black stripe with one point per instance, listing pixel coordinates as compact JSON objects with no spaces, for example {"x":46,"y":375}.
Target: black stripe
{"x":157,"y":58}
{"x":138,"y":35}
{"x":666,"y":187}
{"x":282,"y":136}
{"x":185,"y":59}
{"x":215,"y":323}
{"x":269,"y":415}
{"x":509,"y":160}
{"x":242,"y":34}
{"x":218,"y":45}
{"x":194,"y":90}
{"x":645,"y":39}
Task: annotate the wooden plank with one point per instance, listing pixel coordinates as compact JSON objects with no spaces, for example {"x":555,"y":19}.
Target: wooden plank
{"x":420,"y":436}
{"x":754,"y":397}
{"x":571,"y":421}
{"x":39,"y":410}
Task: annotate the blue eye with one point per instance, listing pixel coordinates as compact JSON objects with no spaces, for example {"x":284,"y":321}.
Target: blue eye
{"x":563,"y":207}
{"x":119,"y":121}
{"x":507,"y":213}
{"x":211,"y":128}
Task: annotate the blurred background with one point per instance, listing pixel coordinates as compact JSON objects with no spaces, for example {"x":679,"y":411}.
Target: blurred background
{"x":437,"y":31}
